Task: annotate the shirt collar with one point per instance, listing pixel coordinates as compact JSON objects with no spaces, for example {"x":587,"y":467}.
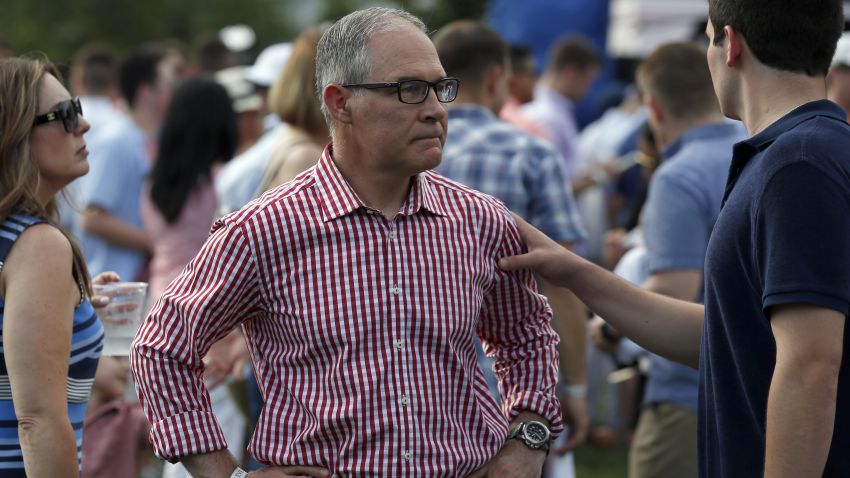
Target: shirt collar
{"x":339,"y":199}
{"x":706,"y":131}
{"x":472,"y":112}
{"x":552,"y":97}
{"x":747,"y":149}
{"x":798,"y":115}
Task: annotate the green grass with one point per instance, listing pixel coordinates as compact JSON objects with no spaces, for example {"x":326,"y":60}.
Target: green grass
{"x":595,"y":462}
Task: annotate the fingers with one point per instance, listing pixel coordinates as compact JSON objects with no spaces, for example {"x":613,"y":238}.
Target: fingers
{"x":575,"y":415}
{"x":238,"y":369}
{"x":105,"y":278}
{"x":214,"y":373}
{"x":514,"y":263}
{"x":305,"y":471}
{"x":99,"y":301}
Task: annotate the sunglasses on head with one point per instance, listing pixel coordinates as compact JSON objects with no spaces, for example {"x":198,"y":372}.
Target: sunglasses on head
{"x":68,"y":111}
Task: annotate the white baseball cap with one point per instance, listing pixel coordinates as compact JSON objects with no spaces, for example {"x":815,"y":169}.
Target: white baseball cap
{"x":268,"y":65}
{"x":241,"y":91}
{"x":842,"y":51}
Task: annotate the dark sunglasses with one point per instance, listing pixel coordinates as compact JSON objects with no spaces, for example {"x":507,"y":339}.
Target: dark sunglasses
{"x":68,"y":111}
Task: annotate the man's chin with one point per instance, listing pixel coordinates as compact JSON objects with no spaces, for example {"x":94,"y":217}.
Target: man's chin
{"x":433,"y":157}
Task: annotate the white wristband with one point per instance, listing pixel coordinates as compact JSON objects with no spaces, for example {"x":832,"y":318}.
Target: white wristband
{"x":239,"y":473}
{"x":577,"y":390}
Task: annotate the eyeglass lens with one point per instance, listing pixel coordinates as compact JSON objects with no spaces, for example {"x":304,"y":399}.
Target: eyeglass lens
{"x":415,"y":91}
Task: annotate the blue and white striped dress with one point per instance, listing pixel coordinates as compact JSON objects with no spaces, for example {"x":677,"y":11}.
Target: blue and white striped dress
{"x":86,"y":345}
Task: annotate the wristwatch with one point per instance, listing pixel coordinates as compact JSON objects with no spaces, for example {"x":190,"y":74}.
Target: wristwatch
{"x":239,"y":473}
{"x":534,"y":434}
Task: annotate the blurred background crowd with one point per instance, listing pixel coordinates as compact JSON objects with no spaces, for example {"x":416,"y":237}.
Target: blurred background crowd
{"x":197,"y":107}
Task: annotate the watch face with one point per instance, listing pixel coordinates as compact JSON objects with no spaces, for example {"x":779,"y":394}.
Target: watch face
{"x":536,"y":432}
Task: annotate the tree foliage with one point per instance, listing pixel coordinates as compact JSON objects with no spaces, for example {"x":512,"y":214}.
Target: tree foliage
{"x":435,"y":13}
{"x":59,"y":28}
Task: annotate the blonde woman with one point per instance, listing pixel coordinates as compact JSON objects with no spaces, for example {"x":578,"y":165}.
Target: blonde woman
{"x":294,"y":100}
{"x":51,"y":338}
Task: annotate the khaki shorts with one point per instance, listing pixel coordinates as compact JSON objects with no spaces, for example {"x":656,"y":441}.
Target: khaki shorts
{"x":665,"y":443}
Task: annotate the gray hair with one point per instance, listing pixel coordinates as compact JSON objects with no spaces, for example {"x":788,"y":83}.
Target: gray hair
{"x":342,"y":56}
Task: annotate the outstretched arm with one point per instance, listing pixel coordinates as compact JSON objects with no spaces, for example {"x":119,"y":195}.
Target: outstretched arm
{"x":663,"y":325}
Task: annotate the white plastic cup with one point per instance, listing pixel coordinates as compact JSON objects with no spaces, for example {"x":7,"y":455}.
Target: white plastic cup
{"x":123,"y":315}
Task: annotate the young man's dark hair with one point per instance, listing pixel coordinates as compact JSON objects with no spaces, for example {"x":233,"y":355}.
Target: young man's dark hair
{"x":791,"y":35}
{"x":139,"y":68}
{"x":572,"y":51}
{"x":521,"y":57}
{"x":467,"y":49}
{"x":677,"y":75}
{"x":98,"y":68}
{"x":213,"y":55}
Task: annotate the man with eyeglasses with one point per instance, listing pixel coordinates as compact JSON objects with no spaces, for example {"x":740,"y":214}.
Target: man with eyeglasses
{"x":362,"y":286}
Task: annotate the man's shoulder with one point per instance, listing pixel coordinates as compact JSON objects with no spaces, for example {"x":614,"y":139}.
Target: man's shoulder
{"x":700,"y":157}
{"x":120,"y":138}
{"x":494,"y":136}
{"x":463,"y":198}
{"x":819,"y":142}
{"x":820,"y":136}
{"x":289,"y":196}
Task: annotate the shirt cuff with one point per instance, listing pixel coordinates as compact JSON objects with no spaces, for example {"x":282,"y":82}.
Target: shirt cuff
{"x":189,"y":433}
{"x":544,"y":404}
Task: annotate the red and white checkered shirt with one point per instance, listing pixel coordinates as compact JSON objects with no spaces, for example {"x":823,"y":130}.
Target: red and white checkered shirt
{"x":361,"y":330}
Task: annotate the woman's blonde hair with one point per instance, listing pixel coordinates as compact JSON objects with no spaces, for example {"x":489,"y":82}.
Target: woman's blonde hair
{"x":20,"y":82}
{"x":292,"y":95}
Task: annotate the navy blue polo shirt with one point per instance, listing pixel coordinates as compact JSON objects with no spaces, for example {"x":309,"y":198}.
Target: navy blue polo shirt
{"x":782,"y":237}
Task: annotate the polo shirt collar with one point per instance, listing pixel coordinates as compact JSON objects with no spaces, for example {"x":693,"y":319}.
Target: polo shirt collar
{"x":339,"y":199}
{"x":747,"y":149}
{"x":706,"y":131}
{"x":789,"y":121}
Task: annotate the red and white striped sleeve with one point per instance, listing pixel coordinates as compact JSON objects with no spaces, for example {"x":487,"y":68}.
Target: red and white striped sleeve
{"x":515,"y":327}
{"x":216,"y":292}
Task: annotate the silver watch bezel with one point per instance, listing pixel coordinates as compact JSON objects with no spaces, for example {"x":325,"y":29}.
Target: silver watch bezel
{"x":521,"y":432}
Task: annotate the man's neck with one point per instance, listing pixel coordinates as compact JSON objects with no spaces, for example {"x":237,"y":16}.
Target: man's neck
{"x":671,"y":133}
{"x":557,"y":85}
{"x":145,"y":121}
{"x":476,"y":99}
{"x":382,"y":190}
{"x":769,"y":95}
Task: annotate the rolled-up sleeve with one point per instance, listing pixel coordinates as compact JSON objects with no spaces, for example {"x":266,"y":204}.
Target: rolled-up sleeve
{"x":216,"y":292}
{"x":515,"y":329}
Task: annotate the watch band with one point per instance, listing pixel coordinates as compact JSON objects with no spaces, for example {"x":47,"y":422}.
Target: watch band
{"x":239,"y":473}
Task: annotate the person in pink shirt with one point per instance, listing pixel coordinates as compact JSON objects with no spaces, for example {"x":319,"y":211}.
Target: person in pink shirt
{"x":521,"y":91}
{"x":179,"y":203}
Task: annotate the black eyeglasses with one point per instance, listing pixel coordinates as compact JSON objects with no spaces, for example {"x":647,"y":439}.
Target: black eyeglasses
{"x":68,"y":111}
{"x":413,"y":92}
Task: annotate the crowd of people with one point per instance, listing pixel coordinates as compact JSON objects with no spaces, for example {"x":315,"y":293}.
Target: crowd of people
{"x":377,"y":251}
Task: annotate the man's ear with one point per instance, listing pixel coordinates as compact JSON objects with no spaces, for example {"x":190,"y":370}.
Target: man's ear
{"x":143,"y":92}
{"x":493,"y":79}
{"x":654,"y":108}
{"x":336,"y":100}
{"x":734,"y":47}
